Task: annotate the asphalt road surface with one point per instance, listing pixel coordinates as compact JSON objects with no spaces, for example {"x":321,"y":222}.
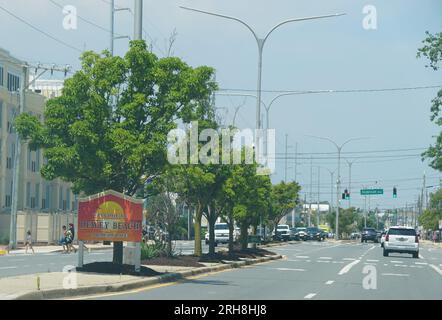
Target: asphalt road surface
{"x":313,"y":270}
{"x":21,"y":264}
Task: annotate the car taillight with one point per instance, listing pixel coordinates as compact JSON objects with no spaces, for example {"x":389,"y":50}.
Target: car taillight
{"x":386,"y":237}
{"x":417,"y":239}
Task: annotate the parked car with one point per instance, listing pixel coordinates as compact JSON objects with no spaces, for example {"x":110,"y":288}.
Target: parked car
{"x":369,"y":234}
{"x":355,"y":235}
{"x":299,"y":234}
{"x":282,"y":232}
{"x":313,"y":233}
{"x":401,"y":240}
{"x":222,"y":234}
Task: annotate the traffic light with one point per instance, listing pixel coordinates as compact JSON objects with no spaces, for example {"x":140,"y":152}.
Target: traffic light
{"x":394,"y":192}
{"x":345,"y":195}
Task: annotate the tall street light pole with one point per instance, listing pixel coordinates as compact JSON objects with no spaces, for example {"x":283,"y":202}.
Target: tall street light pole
{"x":338,"y":184}
{"x":260,"y":42}
{"x":332,"y":173}
{"x":350,"y":163}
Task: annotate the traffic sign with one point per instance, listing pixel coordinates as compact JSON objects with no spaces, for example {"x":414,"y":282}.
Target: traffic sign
{"x":370,"y":192}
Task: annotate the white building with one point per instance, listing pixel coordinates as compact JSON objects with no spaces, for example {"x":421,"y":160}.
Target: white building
{"x":36,"y":195}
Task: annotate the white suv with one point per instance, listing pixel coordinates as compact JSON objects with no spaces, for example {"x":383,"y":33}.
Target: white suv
{"x":401,"y":240}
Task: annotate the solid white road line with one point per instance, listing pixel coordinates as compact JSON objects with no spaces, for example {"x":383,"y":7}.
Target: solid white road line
{"x":289,"y":269}
{"x":396,"y":274}
{"x":436,"y":269}
{"x":348,"y":267}
{"x":310,"y":295}
{"x":329,"y":282}
{"x":4,"y":268}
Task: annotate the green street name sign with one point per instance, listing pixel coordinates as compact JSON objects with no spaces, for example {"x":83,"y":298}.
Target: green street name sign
{"x":369,"y":192}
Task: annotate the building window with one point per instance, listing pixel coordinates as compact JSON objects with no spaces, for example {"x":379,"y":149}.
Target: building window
{"x":8,"y":163}
{"x":68,"y":198}
{"x":13,"y":82}
{"x":2,"y":71}
{"x":1,"y":113}
{"x":28,"y":194}
{"x":60,"y":198}
{"x":7,"y":201}
{"x":37,"y":195}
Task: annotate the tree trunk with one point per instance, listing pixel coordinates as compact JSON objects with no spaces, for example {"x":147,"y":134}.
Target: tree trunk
{"x":198,"y":251}
{"x":118,"y":252}
{"x":211,"y":218}
{"x":244,"y":237}
{"x":231,"y":230}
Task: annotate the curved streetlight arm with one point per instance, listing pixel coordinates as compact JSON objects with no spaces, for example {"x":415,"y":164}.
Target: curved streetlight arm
{"x":327,"y":139}
{"x":353,"y":139}
{"x":223,"y":16}
{"x":299,"y":19}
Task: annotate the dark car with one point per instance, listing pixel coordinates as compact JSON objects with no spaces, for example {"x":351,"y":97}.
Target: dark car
{"x":369,"y":234}
{"x":314,"y":233}
{"x":299,"y":234}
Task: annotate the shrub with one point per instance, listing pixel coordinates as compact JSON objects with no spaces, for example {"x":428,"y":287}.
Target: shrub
{"x":155,"y":250}
{"x":4,"y":240}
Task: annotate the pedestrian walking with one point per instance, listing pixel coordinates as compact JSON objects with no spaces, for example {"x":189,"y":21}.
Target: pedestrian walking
{"x":63,"y":239}
{"x":28,"y":242}
{"x":72,"y":230}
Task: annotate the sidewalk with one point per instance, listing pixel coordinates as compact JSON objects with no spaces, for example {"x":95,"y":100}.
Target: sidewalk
{"x":56,"y":248}
{"x":57,"y":285}
{"x":431,"y":243}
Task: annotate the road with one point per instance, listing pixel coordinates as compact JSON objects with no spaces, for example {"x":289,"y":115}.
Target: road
{"x":21,"y":264}
{"x":313,"y":270}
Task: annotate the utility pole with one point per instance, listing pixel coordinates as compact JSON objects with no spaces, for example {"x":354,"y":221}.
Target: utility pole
{"x":318,"y":211}
{"x":138,"y":23}
{"x":112,"y":25}
{"x":286,"y":148}
{"x":310,"y":196}
{"x":296,"y":162}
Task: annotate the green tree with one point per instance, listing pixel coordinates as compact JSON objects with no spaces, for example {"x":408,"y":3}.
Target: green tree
{"x":429,"y":219}
{"x":284,"y":198}
{"x":432,"y":51}
{"x":108,"y":129}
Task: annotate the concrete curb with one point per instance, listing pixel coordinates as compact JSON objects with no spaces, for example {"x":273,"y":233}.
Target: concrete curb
{"x":169,"y":277}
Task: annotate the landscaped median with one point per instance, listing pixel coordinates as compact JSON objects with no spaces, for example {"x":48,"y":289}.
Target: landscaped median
{"x":52,"y":284}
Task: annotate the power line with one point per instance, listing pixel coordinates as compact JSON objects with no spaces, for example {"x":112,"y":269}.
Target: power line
{"x":358,"y":152}
{"x":40,"y":31}
{"x":336,"y":91}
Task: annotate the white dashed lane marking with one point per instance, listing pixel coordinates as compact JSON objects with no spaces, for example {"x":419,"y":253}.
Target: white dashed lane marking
{"x":289,"y":269}
{"x":302,"y":257}
{"x":310,"y":295}
{"x":5,"y":268}
{"x":348,"y":267}
{"x":329,"y":282}
{"x":372,"y":260}
{"x":436,"y":269}
{"x":396,"y":274}
{"x":325,"y":258}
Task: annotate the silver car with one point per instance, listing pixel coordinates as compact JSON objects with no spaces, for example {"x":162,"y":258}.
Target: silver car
{"x":401,"y":240}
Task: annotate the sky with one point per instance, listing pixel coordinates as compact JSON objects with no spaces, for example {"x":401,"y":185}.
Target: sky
{"x":328,"y":54}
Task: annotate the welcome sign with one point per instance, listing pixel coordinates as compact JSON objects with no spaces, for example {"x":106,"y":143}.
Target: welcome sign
{"x":110,"y":216}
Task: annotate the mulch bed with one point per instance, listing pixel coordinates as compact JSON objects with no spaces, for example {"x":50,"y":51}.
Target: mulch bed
{"x":176,"y":261}
{"x":111,"y":268}
{"x":237,"y":254}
